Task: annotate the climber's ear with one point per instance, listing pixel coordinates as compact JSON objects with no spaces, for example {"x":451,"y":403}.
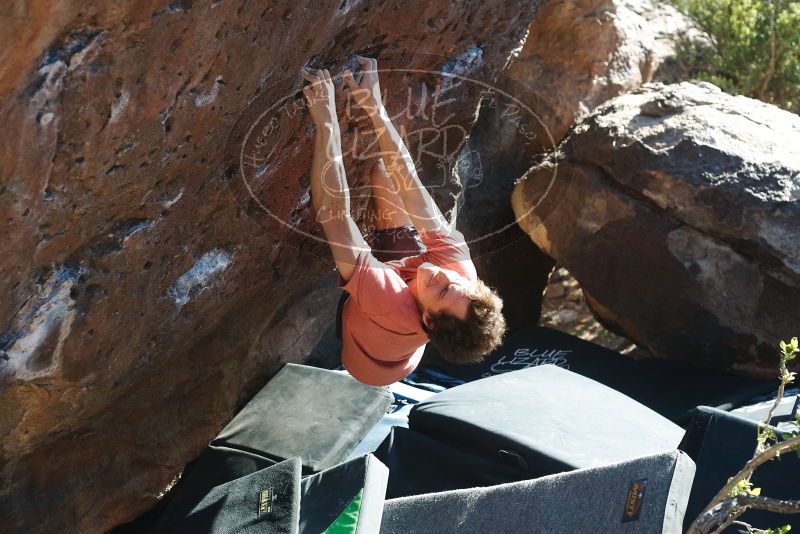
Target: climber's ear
{"x":426,"y":318}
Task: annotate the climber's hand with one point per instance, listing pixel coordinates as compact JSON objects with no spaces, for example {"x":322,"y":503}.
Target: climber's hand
{"x":365,"y":86}
{"x":320,"y":97}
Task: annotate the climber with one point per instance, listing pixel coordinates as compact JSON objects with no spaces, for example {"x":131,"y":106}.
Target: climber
{"x":401,"y":295}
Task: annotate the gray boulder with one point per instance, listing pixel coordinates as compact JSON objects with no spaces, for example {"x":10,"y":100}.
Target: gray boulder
{"x":669,"y":29}
{"x":676,"y":208}
{"x":577,"y":55}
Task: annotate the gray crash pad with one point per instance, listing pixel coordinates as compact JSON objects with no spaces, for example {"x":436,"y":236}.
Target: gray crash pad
{"x":317,"y":414}
{"x":643,"y":496}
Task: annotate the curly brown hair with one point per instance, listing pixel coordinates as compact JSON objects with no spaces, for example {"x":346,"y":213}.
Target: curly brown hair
{"x":470,"y":340}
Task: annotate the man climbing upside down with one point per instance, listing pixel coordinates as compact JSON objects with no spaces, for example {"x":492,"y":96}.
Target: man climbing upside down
{"x":401,"y":294}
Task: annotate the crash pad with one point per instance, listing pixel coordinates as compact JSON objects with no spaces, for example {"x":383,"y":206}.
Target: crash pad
{"x":652,"y":382}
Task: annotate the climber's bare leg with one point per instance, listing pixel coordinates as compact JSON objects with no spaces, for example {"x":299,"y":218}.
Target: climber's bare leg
{"x":385,"y":208}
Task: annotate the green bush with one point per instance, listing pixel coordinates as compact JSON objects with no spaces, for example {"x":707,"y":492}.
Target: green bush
{"x":754,"y":48}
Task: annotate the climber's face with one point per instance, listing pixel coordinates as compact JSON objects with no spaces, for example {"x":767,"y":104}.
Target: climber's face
{"x":441,"y":291}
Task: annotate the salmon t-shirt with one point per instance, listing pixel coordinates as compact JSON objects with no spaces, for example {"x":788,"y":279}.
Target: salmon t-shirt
{"x":382,"y":335}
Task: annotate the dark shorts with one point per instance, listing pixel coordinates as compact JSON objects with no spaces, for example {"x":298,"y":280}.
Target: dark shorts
{"x":394,"y":243}
{"x":387,"y":244}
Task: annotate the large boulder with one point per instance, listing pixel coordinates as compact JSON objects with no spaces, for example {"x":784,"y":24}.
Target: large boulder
{"x":578,"y":54}
{"x":671,"y":30}
{"x":581,"y":53}
{"x":677,"y":208}
{"x":160,"y":258}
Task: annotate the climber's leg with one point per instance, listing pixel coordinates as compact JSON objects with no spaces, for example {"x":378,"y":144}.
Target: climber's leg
{"x":386,"y":209}
{"x":392,"y":235}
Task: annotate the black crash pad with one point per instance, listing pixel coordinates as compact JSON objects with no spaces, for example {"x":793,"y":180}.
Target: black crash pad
{"x":652,"y":382}
{"x":275,"y":500}
{"x":325,"y":495}
{"x":546,"y":420}
{"x":420,"y":464}
{"x":265,"y":501}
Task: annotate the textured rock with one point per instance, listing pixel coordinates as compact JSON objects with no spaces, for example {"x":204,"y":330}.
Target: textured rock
{"x":602,"y":49}
{"x":504,"y":257}
{"x":146,"y":293}
{"x":578,"y":54}
{"x":669,"y":27}
{"x":677,"y":208}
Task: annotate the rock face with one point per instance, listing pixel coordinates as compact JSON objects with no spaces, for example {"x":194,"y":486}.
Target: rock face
{"x":677,"y":208}
{"x":160,"y":259}
{"x":578,"y":54}
{"x":669,"y":27}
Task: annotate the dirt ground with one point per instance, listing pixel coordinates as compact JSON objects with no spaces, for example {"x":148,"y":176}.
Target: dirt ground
{"x":564,"y":308}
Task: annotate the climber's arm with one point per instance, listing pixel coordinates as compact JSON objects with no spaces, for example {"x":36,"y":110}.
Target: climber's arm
{"x":329,"y":190}
{"x":420,"y":206}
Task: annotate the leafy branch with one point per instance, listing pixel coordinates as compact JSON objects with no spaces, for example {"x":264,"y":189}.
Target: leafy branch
{"x":739,"y":495}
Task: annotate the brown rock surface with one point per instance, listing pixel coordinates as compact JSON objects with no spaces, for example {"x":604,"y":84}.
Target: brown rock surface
{"x":581,"y":53}
{"x":578,"y":54}
{"x":146,"y":294}
{"x":677,"y":208}
{"x":669,"y":27}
